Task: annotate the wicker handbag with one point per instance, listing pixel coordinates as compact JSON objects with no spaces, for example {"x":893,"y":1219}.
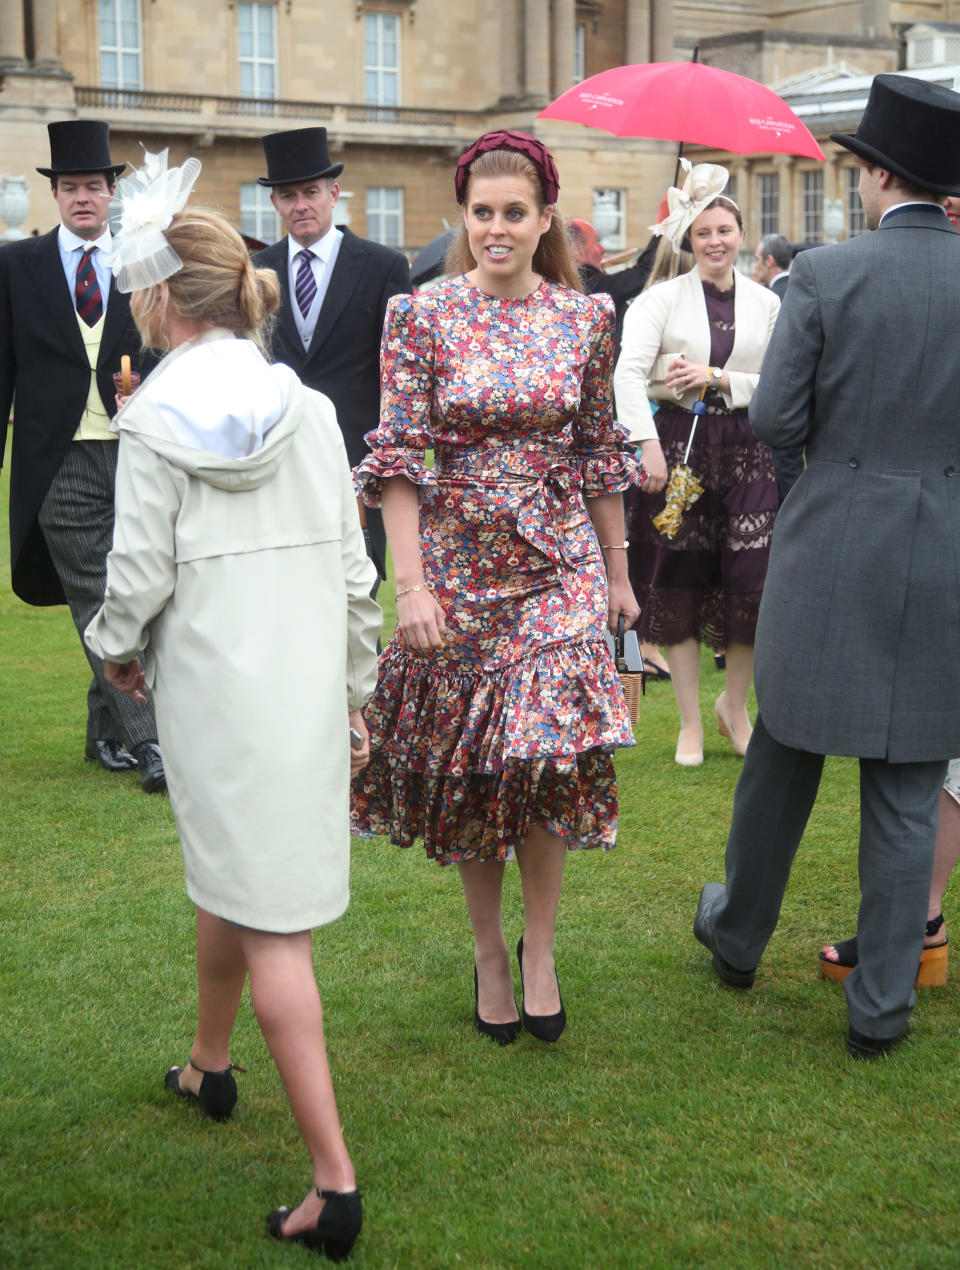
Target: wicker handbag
{"x":625,"y":651}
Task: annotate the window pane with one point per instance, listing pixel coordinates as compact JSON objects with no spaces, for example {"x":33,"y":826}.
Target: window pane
{"x":131,"y":70}
{"x":108,"y":69}
{"x":107,"y":14}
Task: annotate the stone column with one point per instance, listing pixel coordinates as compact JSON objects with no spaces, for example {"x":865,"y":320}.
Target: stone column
{"x":790,"y":218}
{"x":875,"y":16}
{"x":511,"y":44}
{"x":638,"y":32}
{"x":562,"y":45}
{"x":11,"y":35}
{"x":536,"y":51}
{"x":661,"y":31}
{"x":45,"y":35}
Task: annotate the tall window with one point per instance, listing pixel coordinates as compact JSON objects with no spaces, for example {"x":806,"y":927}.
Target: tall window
{"x":856,"y":220}
{"x":579,"y":52}
{"x":257,"y":216}
{"x":609,"y":217}
{"x":381,"y":59}
{"x":811,"y":206}
{"x":120,"y":44}
{"x":768,"y":201}
{"x":385,"y":215}
{"x":257,"y":50}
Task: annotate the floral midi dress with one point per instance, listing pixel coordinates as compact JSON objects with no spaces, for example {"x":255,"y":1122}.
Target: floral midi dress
{"x":514,"y":721}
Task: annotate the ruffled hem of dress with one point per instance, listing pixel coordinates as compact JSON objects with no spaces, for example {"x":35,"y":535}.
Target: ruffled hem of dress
{"x":489,"y":816}
{"x":468,"y":762}
{"x":556,"y":702}
{"x":609,"y":471}
{"x":370,"y":475}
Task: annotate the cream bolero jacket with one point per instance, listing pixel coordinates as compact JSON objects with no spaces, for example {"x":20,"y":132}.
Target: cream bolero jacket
{"x":670,"y":319}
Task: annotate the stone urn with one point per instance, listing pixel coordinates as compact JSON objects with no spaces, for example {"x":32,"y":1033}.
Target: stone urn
{"x":14,"y":205}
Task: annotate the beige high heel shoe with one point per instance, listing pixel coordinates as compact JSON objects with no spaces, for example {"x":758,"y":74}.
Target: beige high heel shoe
{"x":725,"y":728}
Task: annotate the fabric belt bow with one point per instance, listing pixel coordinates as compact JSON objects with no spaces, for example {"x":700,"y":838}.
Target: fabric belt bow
{"x":546,"y":503}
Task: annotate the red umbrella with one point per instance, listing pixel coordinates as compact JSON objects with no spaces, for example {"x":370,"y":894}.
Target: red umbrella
{"x":686,"y":101}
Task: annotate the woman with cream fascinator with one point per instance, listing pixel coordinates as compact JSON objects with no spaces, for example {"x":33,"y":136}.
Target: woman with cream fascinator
{"x":701,"y":336}
{"x":239,"y":572}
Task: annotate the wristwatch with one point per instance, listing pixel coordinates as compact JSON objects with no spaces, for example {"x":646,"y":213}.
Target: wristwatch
{"x":716,"y":373}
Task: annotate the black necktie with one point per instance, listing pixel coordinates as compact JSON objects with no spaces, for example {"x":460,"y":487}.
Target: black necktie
{"x":89,"y":299}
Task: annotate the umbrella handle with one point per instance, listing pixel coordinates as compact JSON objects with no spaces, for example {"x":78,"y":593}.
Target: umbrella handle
{"x":698,"y":408}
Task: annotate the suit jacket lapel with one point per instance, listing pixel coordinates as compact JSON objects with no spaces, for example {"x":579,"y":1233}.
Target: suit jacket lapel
{"x":277,"y":258}
{"x":349,"y":267}
{"x":114,"y":324}
{"x":53,"y":292}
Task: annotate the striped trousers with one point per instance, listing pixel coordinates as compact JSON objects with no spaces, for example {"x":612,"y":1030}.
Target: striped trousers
{"x":76,"y":518}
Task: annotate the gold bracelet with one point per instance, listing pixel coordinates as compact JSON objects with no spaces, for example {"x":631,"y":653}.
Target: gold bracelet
{"x":614,"y":546}
{"x":421,"y":586}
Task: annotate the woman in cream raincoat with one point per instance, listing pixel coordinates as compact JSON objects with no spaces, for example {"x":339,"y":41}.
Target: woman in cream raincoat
{"x":239,"y":573}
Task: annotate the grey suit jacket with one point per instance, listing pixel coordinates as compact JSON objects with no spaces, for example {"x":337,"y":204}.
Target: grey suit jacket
{"x":858,"y":639}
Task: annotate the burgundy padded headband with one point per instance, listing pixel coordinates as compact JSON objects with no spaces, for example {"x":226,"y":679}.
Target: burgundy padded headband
{"x":535,"y":151}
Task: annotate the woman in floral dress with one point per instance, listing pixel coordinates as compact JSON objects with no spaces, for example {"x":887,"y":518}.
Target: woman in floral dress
{"x":498,"y":706}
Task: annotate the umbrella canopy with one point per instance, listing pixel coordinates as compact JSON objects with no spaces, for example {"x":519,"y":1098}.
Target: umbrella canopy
{"x":428,"y":263}
{"x":686,"y":101}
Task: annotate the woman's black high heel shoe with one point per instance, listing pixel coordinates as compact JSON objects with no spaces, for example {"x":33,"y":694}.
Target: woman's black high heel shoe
{"x":502,"y":1033}
{"x":545,"y":1027}
{"x":337,"y":1226}
{"x":218,"y":1090}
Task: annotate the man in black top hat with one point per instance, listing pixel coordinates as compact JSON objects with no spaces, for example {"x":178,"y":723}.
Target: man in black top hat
{"x":63,"y":329}
{"x":335,"y":292}
{"x":859,"y":626}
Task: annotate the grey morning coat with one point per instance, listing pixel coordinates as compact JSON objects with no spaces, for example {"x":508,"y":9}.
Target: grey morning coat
{"x":858,"y":640}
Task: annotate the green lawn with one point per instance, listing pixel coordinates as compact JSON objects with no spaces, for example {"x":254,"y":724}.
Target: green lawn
{"x":675,"y":1124}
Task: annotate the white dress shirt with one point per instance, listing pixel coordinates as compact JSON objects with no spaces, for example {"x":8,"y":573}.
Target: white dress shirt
{"x":70,"y":248}
{"x":324,"y":256}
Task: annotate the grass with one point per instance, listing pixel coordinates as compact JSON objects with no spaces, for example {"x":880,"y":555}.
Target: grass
{"x":676,"y":1124}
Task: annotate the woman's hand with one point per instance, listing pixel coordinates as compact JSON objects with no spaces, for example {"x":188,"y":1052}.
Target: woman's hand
{"x":421,"y":621}
{"x":121,"y":400}
{"x":655,"y":466}
{"x":126,"y":677}
{"x":622,"y":601}
{"x":683,"y":376}
{"x":361,"y":757}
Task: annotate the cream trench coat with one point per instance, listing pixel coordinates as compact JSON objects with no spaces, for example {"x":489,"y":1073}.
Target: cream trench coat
{"x":671,"y":319}
{"x":245,"y":584}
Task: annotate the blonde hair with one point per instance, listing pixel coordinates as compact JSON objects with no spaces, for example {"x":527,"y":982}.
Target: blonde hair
{"x":553,"y":257}
{"x":668,"y":264}
{"x":218,"y":285}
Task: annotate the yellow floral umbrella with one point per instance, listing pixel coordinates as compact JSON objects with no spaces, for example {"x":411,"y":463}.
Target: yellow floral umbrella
{"x":683,"y":488}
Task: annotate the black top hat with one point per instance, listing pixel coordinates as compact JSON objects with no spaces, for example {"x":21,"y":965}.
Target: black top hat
{"x":912,"y":128}
{"x":80,"y":145}
{"x":299,"y":154}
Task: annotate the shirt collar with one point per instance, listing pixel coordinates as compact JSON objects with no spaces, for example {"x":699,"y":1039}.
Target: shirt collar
{"x":924,"y":205}
{"x":69,"y":241}
{"x":321,"y":248}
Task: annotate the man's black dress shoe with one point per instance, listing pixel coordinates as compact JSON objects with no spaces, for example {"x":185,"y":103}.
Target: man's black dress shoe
{"x":703,"y":931}
{"x":153,"y":779}
{"x":112,"y":755}
{"x":863,"y":1047}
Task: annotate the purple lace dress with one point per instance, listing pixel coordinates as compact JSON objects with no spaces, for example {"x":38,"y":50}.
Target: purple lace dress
{"x":706,"y":582}
{"x":513,"y":722}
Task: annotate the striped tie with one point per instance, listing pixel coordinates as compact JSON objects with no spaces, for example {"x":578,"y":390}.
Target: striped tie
{"x":306,"y":287}
{"x":89,"y":299}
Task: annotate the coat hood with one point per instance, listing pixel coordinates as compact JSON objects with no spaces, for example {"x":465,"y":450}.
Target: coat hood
{"x":217,"y":410}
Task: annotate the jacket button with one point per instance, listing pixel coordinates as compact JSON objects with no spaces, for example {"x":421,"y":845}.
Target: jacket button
{"x":948,"y":471}
{"x":854,"y":463}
